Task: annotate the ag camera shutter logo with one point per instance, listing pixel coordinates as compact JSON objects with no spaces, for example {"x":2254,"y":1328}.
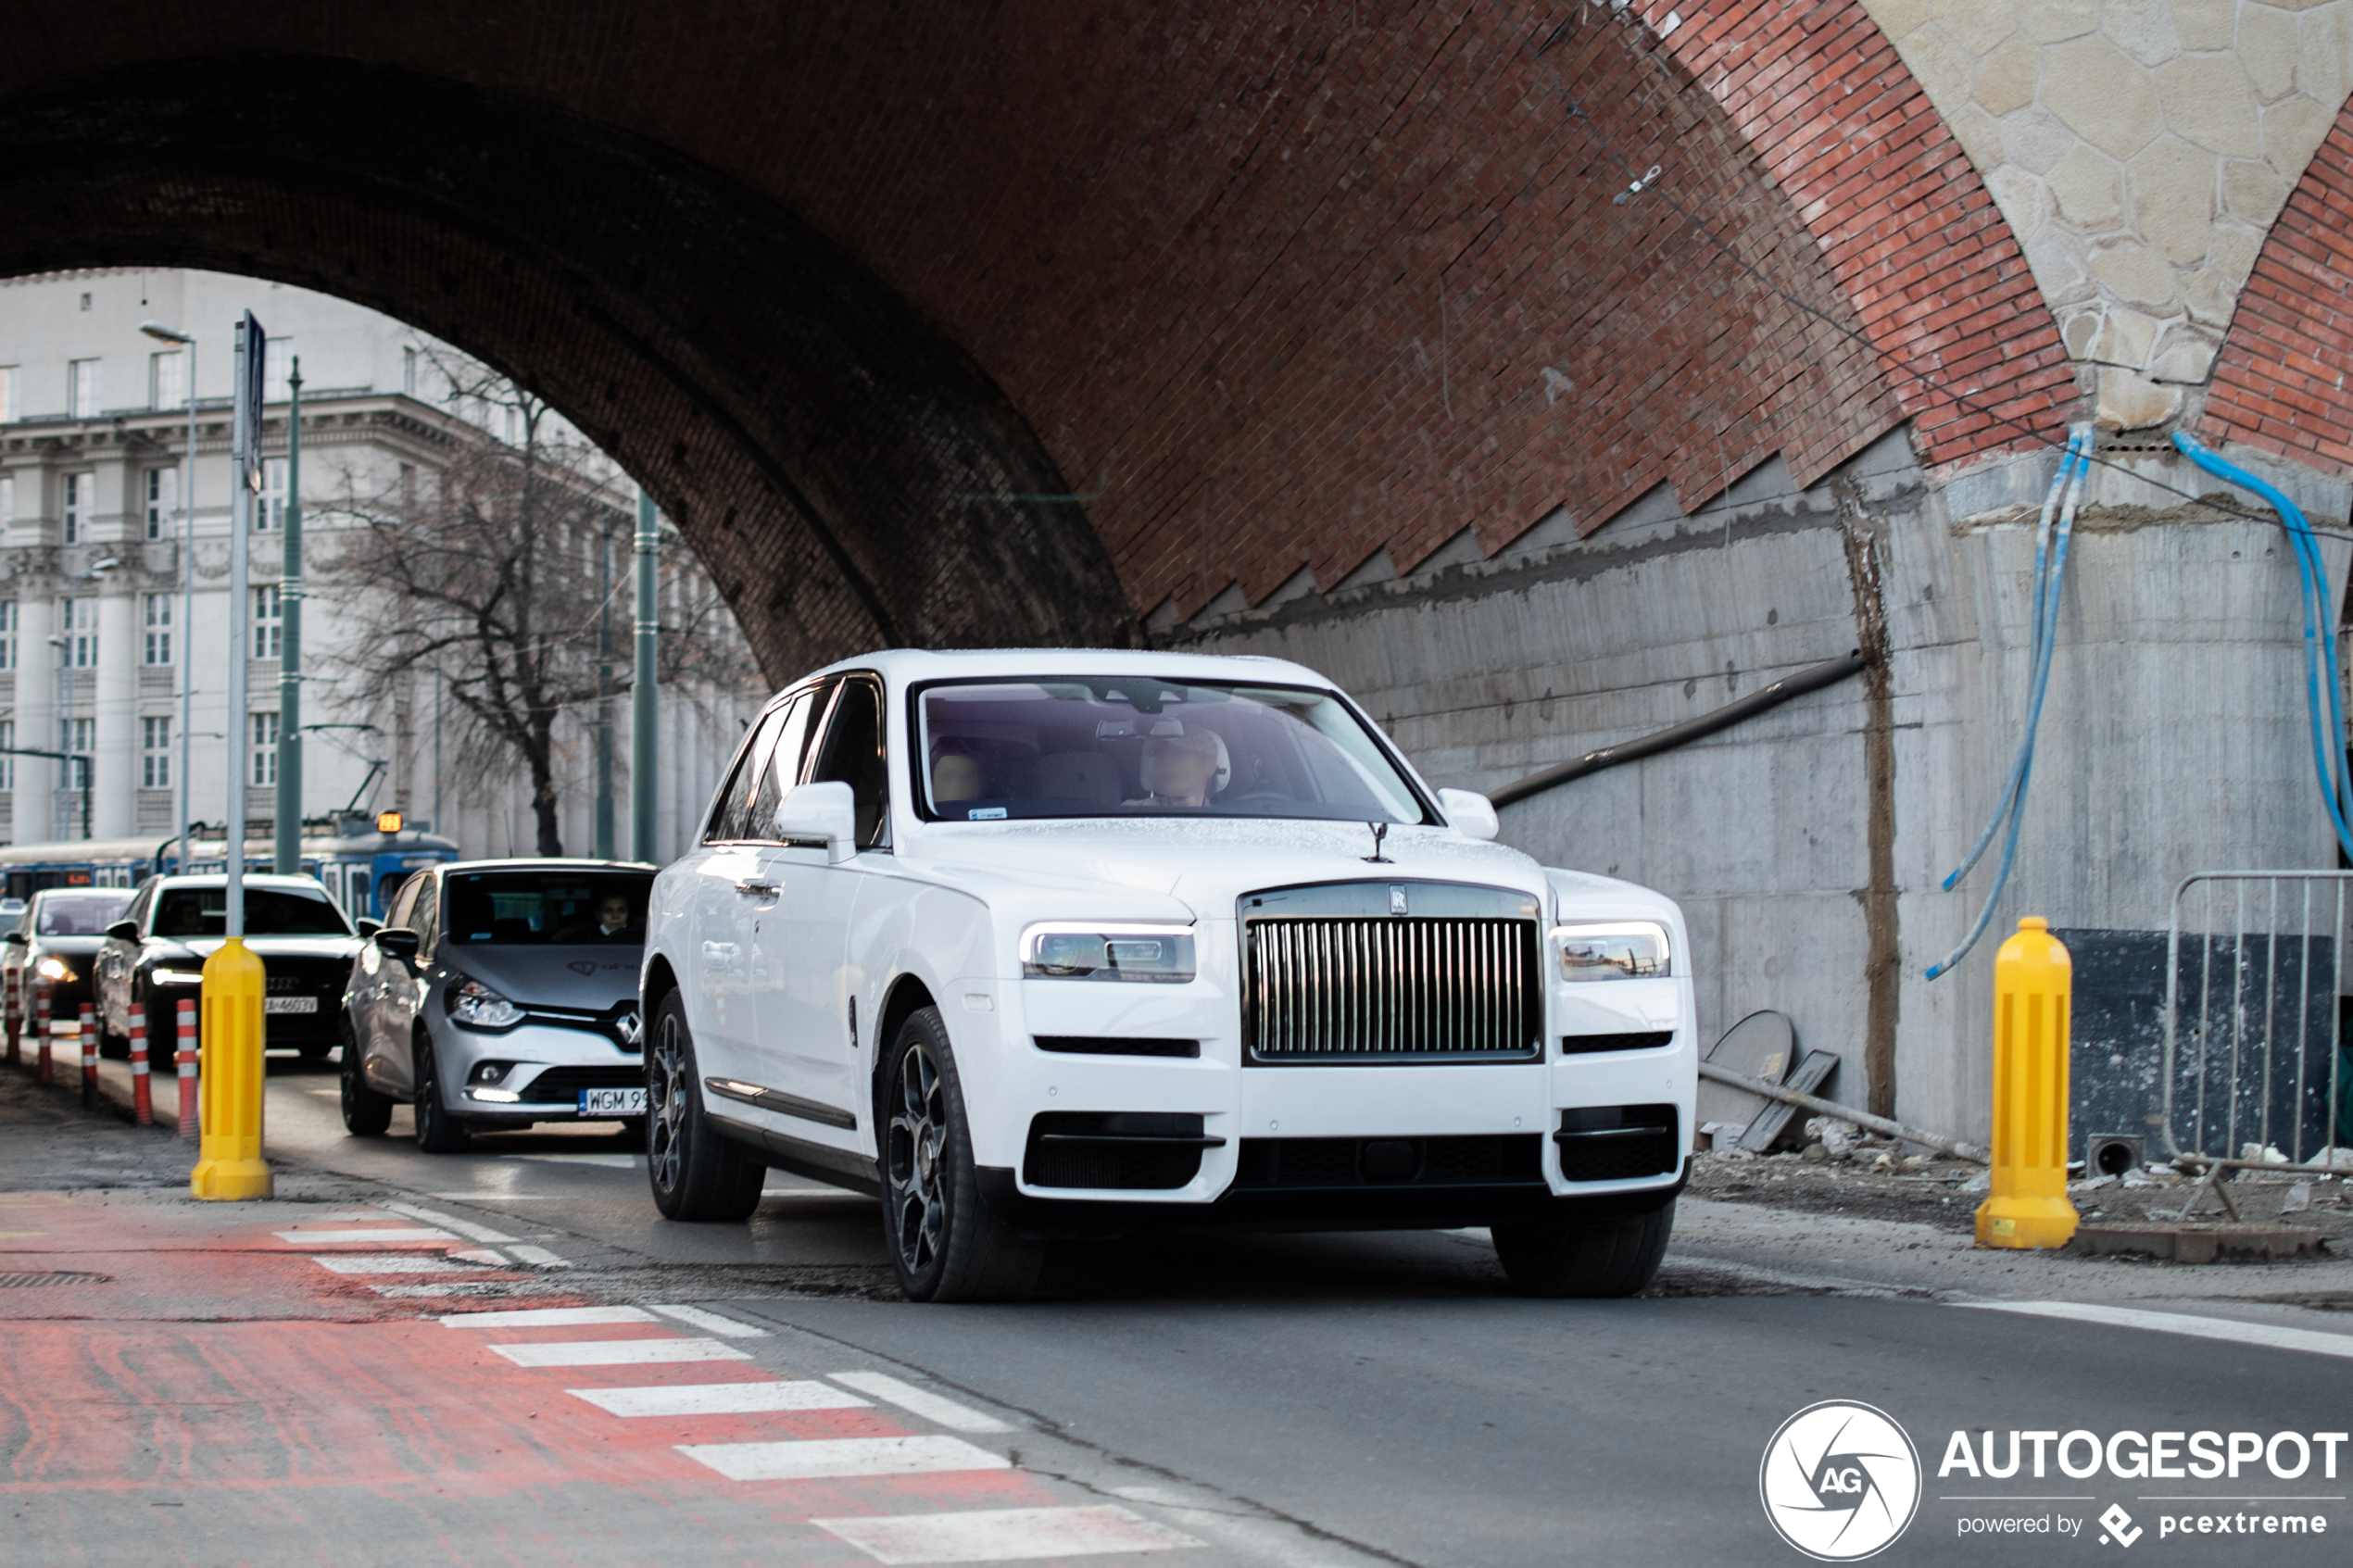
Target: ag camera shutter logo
{"x":1840,"y":1481}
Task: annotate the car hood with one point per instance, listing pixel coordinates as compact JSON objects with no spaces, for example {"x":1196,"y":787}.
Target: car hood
{"x":1204,"y":863}
{"x":593,"y":976}
{"x":69,"y":946}
{"x":264,"y":948}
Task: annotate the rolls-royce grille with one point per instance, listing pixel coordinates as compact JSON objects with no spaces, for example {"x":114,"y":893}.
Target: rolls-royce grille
{"x":1395,"y":989}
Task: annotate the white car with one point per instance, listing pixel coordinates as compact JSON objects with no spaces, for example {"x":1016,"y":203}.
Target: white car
{"x":1071,"y":943}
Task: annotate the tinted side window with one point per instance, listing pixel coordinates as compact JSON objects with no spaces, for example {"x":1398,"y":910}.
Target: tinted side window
{"x":406,"y":900}
{"x":426,"y":920}
{"x":782,"y":769}
{"x":853,"y":755}
{"x":731,"y":814}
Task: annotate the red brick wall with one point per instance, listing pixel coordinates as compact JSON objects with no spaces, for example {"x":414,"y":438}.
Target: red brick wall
{"x":1271,"y":288}
{"x":2280,"y":384}
{"x":1926,"y":260}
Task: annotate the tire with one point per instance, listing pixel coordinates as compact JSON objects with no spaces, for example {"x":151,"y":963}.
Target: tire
{"x":113,"y":1048}
{"x":944,"y":1243}
{"x":438,"y":1129}
{"x":366,"y":1113}
{"x":697,"y":1175}
{"x":1613,"y":1257}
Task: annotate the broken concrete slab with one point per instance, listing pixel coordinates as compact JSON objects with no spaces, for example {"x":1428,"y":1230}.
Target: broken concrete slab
{"x":2192,"y":1242}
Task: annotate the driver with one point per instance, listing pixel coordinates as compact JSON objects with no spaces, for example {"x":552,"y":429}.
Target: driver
{"x":1179,"y":770}
{"x":956,"y":774}
{"x":612,"y":923}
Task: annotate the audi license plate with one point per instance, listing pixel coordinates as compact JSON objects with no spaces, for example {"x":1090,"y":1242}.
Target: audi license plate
{"x":612,"y":1102}
{"x":290,"y":1004}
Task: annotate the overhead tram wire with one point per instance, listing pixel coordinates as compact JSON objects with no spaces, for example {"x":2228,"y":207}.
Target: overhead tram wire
{"x":1649,"y":185}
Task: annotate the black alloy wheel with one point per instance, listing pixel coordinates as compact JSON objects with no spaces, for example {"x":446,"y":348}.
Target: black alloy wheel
{"x":1613,"y":1257}
{"x":695,"y":1173}
{"x":438,"y":1129}
{"x":366,"y":1113}
{"x":944,"y":1244}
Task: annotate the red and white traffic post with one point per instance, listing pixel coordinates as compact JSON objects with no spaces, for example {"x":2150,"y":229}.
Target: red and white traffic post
{"x":40,"y":1025}
{"x":143,"y":1103}
{"x":89,"y":1032}
{"x":184,"y":1061}
{"x":11,"y":995}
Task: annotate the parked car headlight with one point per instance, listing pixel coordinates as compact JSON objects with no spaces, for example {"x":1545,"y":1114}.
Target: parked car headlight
{"x":1634,"y":949}
{"x":177,"y":976}
{"x":1069,"y":950}
{"x":53,"y":968}
{"x":472,"y":1002}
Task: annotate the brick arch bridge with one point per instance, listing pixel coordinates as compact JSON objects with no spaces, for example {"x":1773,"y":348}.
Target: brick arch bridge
{"x":957,"y":323}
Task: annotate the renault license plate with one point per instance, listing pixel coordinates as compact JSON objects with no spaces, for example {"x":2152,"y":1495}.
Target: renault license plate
{"x":612,"y":1102}
{"x":290,"y":1004}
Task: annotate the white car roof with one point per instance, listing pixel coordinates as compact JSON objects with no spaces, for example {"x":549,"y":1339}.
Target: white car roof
{"x":903,"y":667}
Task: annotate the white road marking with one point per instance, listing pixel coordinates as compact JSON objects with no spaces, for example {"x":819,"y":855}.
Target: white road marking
{"x":490,"y":1193}
{"x":388,"y":1263}
{"x":546,"y":1317}
{"x":821,"y":1457}
{"x":466,"y":1228}
{"x":471,"y":1287}
{"x":539,"y":1256}
{"x":348,"y":1216}
{"x":996,"y":1535}
{"x":719,"y":1399}
{"x":619,"y":1353}
{"x":710,"y":1323}
{"x":615,"y":1162}
{"x":480,"y":1255}
{"x":2268,"y":1335}
{"x":338,"y":1238}
{"x":931,"y":1407}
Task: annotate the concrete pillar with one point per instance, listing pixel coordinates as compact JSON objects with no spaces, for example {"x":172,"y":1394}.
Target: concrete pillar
{"x":36,"y":711}
{"x":115,"y":773}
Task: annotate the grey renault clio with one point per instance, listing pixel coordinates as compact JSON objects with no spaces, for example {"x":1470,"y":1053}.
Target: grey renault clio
{"x":499,"y":993}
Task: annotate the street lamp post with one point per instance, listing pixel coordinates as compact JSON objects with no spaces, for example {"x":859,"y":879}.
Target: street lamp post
{"x":643,"y":746}
{"x":289,"y":846}
{"x":604,"y":694}
{"x":162,"y":333}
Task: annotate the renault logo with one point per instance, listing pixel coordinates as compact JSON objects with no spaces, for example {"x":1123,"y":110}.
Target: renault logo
{"x":1396,"y":899}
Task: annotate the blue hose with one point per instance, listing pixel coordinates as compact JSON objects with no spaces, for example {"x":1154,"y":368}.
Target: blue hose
{"x":2050,"y":573}
{"x":2319,"y":635}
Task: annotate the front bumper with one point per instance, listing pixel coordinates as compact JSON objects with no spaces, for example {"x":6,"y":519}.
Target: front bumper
{"x":552,"y":1064}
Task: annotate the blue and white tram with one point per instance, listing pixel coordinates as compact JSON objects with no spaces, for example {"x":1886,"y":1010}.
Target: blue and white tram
{"x":359,"y":867}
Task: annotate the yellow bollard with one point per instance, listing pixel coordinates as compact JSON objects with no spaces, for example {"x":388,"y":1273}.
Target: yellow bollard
{"x":2032,"y":979}
{"x":229,"y":1164}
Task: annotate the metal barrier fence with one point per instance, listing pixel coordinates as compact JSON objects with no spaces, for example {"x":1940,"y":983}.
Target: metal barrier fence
{"x":2257,"y":966}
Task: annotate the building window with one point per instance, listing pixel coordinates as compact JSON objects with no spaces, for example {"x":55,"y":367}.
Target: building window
{"x":155,"y":754}
{"x":163,"y":498}
{"x":7,"y":749}
{"x":81,"y":744}
{"x":78,"y":619}
{"x":408,"y":371}
{"x":269,"y":511}
{"x":269,"y":623}
{"x":7,"y":633}
{"x":8,"y":392}
{"x":407,"y":489}
{"x":167,"y":380}
{"x":265,"y":750}
{"x":81,"y":490}
{"x":8,"y":497}
{"x":158,"y":615}
{"x":82,"y":389}
{"x":277,"y":355}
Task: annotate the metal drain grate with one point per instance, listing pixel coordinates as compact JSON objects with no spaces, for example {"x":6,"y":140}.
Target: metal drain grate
{"x":54,"y":1276}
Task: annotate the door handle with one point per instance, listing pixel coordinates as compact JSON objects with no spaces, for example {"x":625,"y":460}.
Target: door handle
{"x":759,"y":889}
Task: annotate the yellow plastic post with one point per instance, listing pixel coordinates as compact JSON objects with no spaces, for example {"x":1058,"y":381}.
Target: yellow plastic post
{"x":2033,"y":980}
{"x":229,"y":1163}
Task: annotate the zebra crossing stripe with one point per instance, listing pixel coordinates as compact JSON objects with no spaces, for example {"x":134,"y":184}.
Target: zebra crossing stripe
{"x":719,"y":1399}
{"x":546,"y":1317}
{"x":931,"y":1407}
{"x":998,"y":1535}
{"x":825,"y":1458}
{"x":619,"y":1353}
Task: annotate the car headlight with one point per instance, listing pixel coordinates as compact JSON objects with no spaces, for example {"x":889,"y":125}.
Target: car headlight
{"x":1070,"y":950}
{"x":1633,"y":949}
{"x":53,"y":969}
{"x":177,"y":976}
{"x":472,"y":1003}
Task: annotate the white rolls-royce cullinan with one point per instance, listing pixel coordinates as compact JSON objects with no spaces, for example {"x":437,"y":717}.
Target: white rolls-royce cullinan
{"x":1057,"y":944}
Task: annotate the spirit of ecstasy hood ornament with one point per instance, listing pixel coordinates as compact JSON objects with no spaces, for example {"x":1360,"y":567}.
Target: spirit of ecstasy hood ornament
{"x":1380,"y":831}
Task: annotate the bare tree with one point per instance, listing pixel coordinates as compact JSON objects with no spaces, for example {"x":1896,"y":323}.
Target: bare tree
{"x":487,"y":578}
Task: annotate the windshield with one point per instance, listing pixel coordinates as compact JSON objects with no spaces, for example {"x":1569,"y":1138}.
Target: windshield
{"x":81,"y":914}
{"x":270,"y":911}
{"x":1128,"y":746}
{"x":546,"y":907}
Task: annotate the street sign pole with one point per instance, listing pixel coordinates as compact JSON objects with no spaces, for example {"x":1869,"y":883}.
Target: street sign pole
{"x":289,"y":816}
{"x":644,"y":745}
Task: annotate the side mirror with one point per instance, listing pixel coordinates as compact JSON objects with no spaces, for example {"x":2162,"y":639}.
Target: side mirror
{"x":821,"y":813}
{"x":123,"y":930}
{"x":1469,"y":814}
{"x":370,"y":925}
{"x":17,"y":936}
{"x":398,"y":941}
